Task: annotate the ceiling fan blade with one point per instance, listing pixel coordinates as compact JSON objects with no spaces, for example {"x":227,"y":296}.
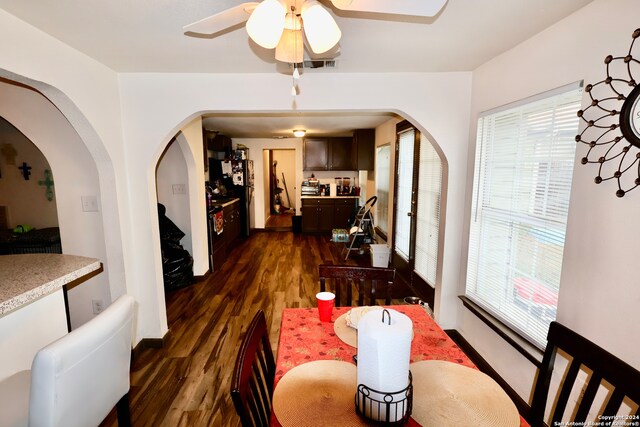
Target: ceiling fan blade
{"x":223,"y":20}
{"x":427,"y":8}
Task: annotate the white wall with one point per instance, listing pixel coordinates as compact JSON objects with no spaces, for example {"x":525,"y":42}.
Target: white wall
{"x":600,"y":290}
{"x":75,"y":176}
{"x":155,"y":106}
{"x":26,"y":199}
{"x":86,"y":93}
{"x":172,"y":170}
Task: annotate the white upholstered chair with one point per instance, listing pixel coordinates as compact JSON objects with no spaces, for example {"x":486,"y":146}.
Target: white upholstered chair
{"x":78,"y":379}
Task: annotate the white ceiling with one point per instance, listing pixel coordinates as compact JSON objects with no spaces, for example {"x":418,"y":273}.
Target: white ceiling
{"x":147,"y":36}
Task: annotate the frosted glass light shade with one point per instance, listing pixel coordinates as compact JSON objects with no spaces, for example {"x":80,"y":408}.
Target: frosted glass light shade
{"x":290,"y":48}
{"x":266,"y":23}
{"x":299,"y":133}
{"x":319,"y":26}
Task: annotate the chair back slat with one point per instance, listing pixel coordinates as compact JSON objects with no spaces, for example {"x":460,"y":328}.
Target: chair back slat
{"x":615,"y":401}
{"x":587,"y":399}
{"x":363,"y":279}
{"x":565,"y":392}
{"x":622,"y":378}
{"x":253,"y":375}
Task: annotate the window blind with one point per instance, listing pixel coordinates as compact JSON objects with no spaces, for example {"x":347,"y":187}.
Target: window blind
{"x":428,"y":213}
{"x":522,"y":184}
{"x":383,"y":169}
{"x":404,"y":186}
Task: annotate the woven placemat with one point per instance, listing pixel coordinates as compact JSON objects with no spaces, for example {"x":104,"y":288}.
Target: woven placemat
{"x":318,"y":393}
{"x":447,"y":394}
{"x":346,"y":333}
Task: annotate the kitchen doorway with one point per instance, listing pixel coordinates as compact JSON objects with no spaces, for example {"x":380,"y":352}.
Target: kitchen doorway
{"x":281,"y":188}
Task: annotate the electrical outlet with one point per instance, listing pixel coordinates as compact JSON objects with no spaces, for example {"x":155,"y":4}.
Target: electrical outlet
{"x":98,"y":306}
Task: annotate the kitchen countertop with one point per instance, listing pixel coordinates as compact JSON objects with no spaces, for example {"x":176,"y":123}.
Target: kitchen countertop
{"x":224,"y":202}
{"x":25,"y":278}
{"x":330,"y":197}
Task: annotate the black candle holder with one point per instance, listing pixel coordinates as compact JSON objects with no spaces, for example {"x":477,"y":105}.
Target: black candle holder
{"x":391,"y":405}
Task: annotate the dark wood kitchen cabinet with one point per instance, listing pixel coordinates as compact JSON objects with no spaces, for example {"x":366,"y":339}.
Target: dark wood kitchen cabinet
{"x":364,"y":141}
{"x":321,"y":215}
{"x":220,"y":244}
{"x":317,"y":215}
{"x":343,"y":209}
{"x":329,"y":154}
{"x":231,"y":215}
{"x":316,"y":154}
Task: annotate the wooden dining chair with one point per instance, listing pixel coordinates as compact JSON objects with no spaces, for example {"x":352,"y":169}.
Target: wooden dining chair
{"x":377,"y":280}
{"x":253,"y":375}
{"x":623,"y":380}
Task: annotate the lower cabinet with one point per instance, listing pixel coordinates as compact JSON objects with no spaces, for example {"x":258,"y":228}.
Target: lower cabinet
{"x":219,"y":244}
{"x":320,"y":215}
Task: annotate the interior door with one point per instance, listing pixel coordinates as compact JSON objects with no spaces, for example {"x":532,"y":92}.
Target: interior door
{"x":405,"y":199}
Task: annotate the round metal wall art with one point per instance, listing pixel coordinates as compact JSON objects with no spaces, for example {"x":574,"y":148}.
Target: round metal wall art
{"x":612,"y":131}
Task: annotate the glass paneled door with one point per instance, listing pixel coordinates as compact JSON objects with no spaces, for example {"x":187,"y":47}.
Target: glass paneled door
{"x":417,"y":197}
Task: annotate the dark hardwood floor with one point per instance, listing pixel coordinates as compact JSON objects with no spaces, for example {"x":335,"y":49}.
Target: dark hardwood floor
{"x":280,"y":222}
{"x":186,"y":383}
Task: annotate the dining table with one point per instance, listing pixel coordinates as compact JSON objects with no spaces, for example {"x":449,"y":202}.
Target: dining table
{"x":305,"y":341}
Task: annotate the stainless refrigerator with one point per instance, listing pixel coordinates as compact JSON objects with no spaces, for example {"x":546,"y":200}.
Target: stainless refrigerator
{"x":237,"y":178}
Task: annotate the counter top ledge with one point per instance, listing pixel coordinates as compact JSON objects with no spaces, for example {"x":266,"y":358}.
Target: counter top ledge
{"x":330,"y":197}
{"x":25,"y":278}
{"x":225,"y":203}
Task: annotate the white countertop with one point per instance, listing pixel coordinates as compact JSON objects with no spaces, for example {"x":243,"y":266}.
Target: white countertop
{"x":25,"y":278}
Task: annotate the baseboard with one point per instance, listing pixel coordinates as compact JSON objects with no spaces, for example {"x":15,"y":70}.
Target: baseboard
{"x":202,"y":278}
{"x":146,"y":343}
{"x":522,"y":406}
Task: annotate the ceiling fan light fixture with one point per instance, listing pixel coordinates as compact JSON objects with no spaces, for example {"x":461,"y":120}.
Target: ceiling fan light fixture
{"x":266,"y":23}
{"x":290,"y":48}
{"x":292,"y":22}
{"x":299,"y":133}
{"x":320,"y":28}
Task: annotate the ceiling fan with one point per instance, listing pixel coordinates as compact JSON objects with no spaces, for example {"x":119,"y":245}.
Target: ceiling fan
{"x":280,"y":24}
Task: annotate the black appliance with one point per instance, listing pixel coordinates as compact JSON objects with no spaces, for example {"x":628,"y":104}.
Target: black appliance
{"x":236,"y":176}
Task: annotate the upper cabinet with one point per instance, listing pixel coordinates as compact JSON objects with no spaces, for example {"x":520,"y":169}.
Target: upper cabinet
{"x":316,"y":154}
{"x":340,"y":153}
{"x":364,"y":142}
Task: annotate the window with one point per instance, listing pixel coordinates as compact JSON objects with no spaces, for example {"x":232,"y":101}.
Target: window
{"x":522,"y":183}
{"x":383,"y":169}
{"x":428,"y":215}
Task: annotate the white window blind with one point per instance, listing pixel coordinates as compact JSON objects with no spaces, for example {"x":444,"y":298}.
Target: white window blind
{"x":404,"y":187}
{"x":383,"y":169}
{"x":523,"y":171}
{"x":428,"y":214}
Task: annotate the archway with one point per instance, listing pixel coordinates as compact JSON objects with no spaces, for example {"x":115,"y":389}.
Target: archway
{"x":87,"y":233}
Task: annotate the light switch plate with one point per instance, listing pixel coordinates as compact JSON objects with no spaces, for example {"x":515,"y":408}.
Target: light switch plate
{"x":89,"y":204}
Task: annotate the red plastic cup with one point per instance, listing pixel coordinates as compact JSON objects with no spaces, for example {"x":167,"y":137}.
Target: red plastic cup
{"x":325,"y":305}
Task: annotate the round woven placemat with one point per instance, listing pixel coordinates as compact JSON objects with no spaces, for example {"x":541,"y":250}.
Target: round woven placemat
{"x":318,"y":393}
{"x":446,"y":394}
{"x":346,"y":333}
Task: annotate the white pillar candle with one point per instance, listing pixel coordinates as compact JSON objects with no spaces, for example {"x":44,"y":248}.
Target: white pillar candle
{"x":384,"y":351}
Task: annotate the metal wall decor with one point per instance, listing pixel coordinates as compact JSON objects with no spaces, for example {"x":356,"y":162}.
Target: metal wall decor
{"x":612,"y":130}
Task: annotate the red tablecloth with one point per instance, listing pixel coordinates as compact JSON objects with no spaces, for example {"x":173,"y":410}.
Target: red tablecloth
{"x":303,"y":338}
